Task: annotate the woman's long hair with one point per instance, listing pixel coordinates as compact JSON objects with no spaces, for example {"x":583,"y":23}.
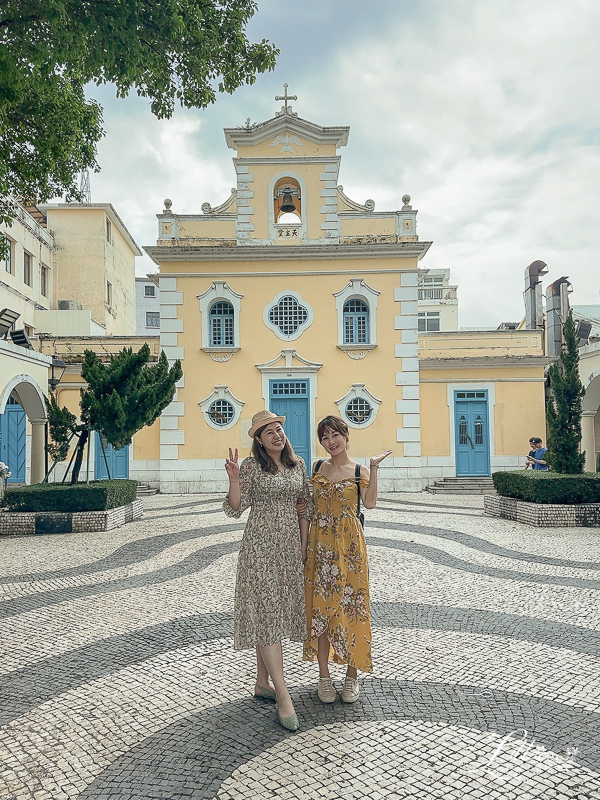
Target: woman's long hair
{"x":288,"y":457}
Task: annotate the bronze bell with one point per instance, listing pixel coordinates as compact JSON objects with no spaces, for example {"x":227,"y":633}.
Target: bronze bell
{"x":287,"y":204}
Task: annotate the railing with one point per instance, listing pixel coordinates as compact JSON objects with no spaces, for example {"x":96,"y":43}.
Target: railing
{"x":442,"y":293}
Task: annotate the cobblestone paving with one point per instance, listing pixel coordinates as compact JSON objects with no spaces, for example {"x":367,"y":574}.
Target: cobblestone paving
{"x":118,"y":680}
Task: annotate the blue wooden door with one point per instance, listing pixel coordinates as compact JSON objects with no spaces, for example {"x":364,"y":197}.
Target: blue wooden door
{"x":472,"y":433}
{"x":289,"y":398}
{"x":118,"y":460}
{"x":13,"y":440}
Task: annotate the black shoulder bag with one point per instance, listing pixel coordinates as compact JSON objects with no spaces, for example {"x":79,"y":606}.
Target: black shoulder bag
{"x":359,"y":514}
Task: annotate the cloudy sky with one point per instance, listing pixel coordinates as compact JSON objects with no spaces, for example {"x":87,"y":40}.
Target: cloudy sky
{"x":486,"y":113}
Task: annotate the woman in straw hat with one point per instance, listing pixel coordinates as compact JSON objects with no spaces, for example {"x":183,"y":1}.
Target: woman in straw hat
{"x":269,"y":589}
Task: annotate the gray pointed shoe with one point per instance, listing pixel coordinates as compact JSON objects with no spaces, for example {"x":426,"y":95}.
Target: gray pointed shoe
{"x":289,"y":723}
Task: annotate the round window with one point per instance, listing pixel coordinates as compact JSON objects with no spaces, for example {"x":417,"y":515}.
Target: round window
{"x":358,"y":410}
{"x":221,"y":412}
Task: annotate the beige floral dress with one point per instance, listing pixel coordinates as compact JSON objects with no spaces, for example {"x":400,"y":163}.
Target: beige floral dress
{"x":337,"y":575}
{"x":269,"y":587}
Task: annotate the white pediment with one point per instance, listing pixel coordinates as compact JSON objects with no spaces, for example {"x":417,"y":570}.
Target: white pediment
{"x":287,"y":360}
{"x":286,"y":127}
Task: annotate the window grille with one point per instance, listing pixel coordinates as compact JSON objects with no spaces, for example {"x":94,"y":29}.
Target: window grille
{"x":288,"y":315}
{"x":462,"y":430}
{"x":358,"y":410}
{"x":356,"y":322}
{"x":221,"y":412}
{"x":478,"y":430}
{"x":222,"y":332}
{"x":289,"y":388}
{"x":153,"y":319}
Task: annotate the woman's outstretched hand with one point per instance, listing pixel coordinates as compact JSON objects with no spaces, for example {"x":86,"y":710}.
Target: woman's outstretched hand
{"x":376,"y":460}
{"x":231,"y":465}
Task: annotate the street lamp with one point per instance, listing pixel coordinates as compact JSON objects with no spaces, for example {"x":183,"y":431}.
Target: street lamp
{"x":57,"y":370}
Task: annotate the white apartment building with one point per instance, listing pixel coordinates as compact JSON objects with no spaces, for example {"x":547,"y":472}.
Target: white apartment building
{"x":438,"y":302}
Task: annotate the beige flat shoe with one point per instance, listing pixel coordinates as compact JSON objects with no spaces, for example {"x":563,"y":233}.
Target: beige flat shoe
{"x":350,"y":692}
{"x":326,"y":690}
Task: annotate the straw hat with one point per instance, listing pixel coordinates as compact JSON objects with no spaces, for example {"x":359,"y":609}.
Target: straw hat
{"x":263,"y":418}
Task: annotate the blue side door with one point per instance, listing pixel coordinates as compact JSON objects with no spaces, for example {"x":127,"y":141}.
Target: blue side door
{"x":118,"y":460}
{"x":472,"y":441}
{"x":13,"y":440}
{"x":289,"y":398}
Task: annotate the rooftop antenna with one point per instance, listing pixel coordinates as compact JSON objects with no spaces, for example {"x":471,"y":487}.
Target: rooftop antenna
{"x":84,"y":186}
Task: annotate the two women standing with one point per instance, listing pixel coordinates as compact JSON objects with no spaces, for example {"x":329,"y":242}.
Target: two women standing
{"x":270,"y":587}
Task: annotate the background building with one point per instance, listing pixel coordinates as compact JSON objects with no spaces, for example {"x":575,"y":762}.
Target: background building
{"x":147,"y":307}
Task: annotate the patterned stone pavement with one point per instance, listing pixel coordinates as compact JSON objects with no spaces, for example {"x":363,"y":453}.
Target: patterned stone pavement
{"x":118,"y":680}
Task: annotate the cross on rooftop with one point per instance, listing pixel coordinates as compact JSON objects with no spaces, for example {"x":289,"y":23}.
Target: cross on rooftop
{"x":285,"y":96}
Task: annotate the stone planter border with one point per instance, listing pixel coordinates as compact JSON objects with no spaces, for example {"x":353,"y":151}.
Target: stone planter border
{"x":20,"y":523}
{"x":543,"y":515}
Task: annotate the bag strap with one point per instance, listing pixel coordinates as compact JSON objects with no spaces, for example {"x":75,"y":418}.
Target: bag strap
{"x":357,"y":481}
{"x":317,"y":466}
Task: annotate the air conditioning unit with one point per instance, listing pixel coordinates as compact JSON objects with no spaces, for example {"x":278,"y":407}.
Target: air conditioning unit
{"x":67,"y":305}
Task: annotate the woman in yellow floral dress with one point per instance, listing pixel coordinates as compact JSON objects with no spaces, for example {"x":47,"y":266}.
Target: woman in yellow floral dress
{"x":336,"y":572}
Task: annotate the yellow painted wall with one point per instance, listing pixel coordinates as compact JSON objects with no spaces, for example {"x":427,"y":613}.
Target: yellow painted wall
{"x":461,"y":344}
{"x":317,"y":343}
{"x":264,"y":150}
{"x":364,"y":226}
{"x":207,"y":227}
{"x":518,"y":410}
{"x":85,"y":260}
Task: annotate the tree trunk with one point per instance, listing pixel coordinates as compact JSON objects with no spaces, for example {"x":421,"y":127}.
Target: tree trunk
{"x":83,"y":437}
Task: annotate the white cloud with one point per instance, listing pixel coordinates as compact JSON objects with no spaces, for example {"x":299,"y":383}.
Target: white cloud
{"x":485,"y":113}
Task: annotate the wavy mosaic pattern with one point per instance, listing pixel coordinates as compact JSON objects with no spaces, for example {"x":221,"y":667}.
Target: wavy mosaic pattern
{"x":118,"y":680}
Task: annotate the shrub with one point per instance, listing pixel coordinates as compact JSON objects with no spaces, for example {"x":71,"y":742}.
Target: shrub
{"x":537,"y":486}
{"x":64,"y":497}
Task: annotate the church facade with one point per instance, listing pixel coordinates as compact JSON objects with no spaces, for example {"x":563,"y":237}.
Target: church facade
{"x":294,"y":297}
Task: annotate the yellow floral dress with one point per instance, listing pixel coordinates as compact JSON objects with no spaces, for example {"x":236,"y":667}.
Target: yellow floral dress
{"x":336,"y":575}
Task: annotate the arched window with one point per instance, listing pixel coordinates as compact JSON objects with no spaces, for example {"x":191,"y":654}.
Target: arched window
{"x":356,"y":322}
{"x":222,"y":332}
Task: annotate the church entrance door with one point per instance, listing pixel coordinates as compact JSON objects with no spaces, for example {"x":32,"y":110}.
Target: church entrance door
{"x":289,"y":398}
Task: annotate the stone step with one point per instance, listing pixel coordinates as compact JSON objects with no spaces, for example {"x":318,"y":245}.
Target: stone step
{"x":454,"y":490}
{"x":145,"y":490}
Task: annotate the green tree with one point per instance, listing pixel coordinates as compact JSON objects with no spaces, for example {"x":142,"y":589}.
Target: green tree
{"x":171,"y":51}
{"x":121,"y":397}
{"x":563,"y":411}
{"x":63,"y":426}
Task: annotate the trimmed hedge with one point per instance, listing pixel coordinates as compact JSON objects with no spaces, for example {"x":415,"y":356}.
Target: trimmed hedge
{"x":93,"y":496}
{"x":537,"y":486}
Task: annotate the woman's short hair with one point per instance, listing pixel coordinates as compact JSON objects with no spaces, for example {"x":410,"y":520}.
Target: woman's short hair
{"x":332,"y":423}
{"x":264,"y":460}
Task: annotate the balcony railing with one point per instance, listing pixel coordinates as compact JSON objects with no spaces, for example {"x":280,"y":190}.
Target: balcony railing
{"x":441,"y":293}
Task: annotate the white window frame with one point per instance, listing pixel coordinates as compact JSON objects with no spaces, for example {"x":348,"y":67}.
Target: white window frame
{"x":221,"y":392}
{"x":220,"y":290}
{"x":304,"y":327}
{"x":359,"y":290}
{"x":431,"y":314}
{"x":149,"y":286}
{"x":358,"y":390}
{"x":154,"y":327}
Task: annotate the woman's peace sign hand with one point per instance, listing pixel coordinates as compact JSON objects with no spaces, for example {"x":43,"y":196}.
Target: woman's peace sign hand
{"x":231,"y":465}
{"x":376,"y":460}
